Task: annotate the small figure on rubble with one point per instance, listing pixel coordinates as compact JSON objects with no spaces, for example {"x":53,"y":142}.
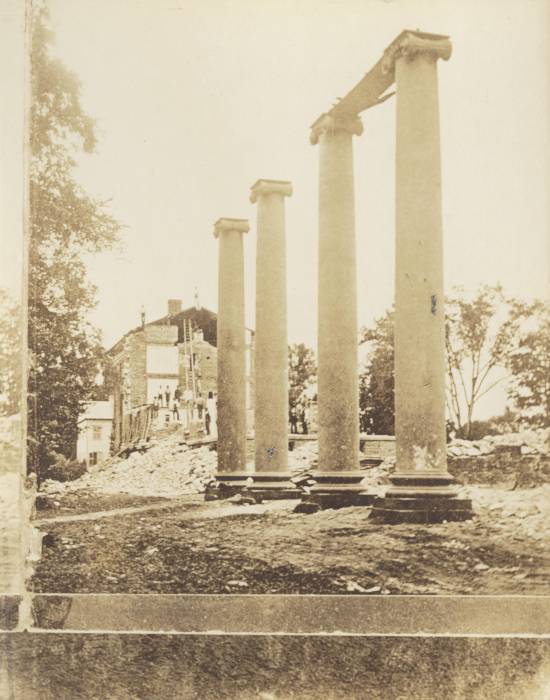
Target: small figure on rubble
{"x":175,"y":410}
{"x":167,"y":395}
{"x":200,"y":406}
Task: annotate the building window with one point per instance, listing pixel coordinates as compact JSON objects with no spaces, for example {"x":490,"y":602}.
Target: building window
{"x":93,"y":458}
{"x":96,"y":432}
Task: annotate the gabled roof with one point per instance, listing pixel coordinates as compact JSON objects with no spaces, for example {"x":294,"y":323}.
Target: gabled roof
{"x":201,"y":318}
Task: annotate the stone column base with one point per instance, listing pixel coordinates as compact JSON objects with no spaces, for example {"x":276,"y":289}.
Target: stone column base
{"x":269,"y":486}
{"x":227,"y":484}
{"x":422,"y":498}
{"x":337,"y":489}
{"x":422,"y":484}
{"x":422,"y":510}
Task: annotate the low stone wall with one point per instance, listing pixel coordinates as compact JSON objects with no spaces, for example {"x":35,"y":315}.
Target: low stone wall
{"x":505,"y":469}
{"x":377,"y":446}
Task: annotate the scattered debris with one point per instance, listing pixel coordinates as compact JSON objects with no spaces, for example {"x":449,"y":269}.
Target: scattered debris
{"x":168,"y":468}
{"x":481,"y":567}
{"x":239,"y":584}
{"x":526,"y":442}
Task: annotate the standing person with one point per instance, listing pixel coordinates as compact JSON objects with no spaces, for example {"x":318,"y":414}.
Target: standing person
{"x":362,"y":420}
{"x":305,"y":419}
{"x":160,"y":396}
{"x":200,"y":406}
{"x":155,"y":407}
{"x":299,"y":416}
{"x":293,"y":418}
{"x":177,"y":393}
{"x":213,"y":410}
{"x":211,"y":405}
{"x":207,"y":421}
{"x":175,"y":410}
{"x":167,"y":395}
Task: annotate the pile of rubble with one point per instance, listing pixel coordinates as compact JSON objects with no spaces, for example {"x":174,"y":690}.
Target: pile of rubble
{"x":527,"y":442}
{"x":526,"y":510}
{"x":303,"y":457}
{"x":168,"y":468}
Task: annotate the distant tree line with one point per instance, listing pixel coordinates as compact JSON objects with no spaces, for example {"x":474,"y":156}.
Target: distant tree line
{"x":490,"y":338}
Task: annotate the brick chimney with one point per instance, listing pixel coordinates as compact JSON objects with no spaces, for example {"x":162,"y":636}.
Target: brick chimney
{"x":174,"y":306}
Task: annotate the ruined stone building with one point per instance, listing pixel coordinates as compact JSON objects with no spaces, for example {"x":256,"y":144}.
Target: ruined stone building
{"x":157,"y":355}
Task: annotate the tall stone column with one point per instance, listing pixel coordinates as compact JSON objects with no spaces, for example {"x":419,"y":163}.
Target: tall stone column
{"x":421,"y":485}
{"x":231,"y":412}
{"x":338,"y":476}
{"x":271,"y":477}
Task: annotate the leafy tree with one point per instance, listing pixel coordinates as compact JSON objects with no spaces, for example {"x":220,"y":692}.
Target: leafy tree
{"x":530,"y":369}
{"x":480,"y":334}
{"x":66,"y":224}
{"x":376,"y":381}
{"x":302,"y":371}
{"x":10,"y":354}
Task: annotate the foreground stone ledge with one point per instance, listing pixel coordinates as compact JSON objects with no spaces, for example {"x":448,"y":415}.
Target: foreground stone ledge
{"x":292,"y":614}
{"x":9,"y":611}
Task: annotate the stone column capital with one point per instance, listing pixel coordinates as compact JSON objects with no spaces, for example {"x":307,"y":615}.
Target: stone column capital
{"x":223,"y":225}
{"x":412,"y":44}
{"x":330,"y":123}
{"x":262,"y":186}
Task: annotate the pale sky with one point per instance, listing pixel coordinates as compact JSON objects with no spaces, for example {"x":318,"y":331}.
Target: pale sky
{"x":195,"y":100}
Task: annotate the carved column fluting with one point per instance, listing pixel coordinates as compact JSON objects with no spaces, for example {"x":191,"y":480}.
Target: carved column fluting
{"x":271,"y":477}
{"x":231,"y":410}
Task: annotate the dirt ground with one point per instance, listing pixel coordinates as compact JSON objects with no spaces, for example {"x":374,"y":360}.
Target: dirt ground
{"x":223,"y":548}
{"x":162,"y":537}
{"x":87,"y":501}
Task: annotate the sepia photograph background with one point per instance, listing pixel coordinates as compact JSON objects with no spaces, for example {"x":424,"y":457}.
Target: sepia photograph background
{"x":192,"y":103}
